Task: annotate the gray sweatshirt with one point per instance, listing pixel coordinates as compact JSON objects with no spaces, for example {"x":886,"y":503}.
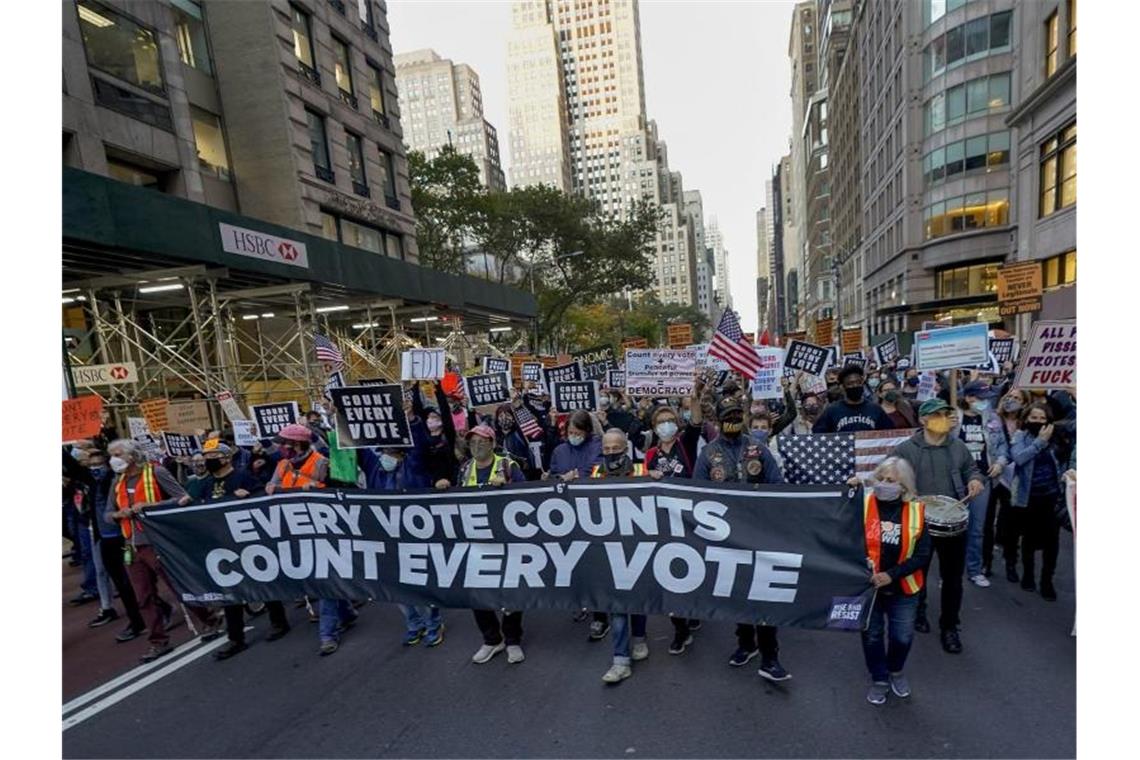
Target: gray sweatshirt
{"x":942,"y":470}
{"x":167,"y":484}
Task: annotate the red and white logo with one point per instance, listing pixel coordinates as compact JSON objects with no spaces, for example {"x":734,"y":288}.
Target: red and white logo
{"x":119,"y":372}
{"x":287,"y":251}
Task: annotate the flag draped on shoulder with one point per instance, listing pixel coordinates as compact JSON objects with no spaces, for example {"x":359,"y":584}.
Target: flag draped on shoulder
{"x":730,"y":345}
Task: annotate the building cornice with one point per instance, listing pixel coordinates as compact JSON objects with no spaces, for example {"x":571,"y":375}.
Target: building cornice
{"x":1066,"y":74}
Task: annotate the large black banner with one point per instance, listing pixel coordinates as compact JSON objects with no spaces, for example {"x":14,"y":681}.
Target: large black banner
{"x":782,"y":555}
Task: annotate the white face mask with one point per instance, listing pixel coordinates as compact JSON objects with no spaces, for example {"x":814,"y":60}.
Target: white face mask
{"x":389,"y":462}
{"x":118,"y":464}
{"x":666,"y":430}
{"x":575,"y":440}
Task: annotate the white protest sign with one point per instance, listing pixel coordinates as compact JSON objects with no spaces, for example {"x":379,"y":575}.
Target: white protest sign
{"x":230,"y":406}
{"x":244,"y":433}
{"x":925,"y":386}
{"x":768,"y":379}
{"x":660,"y":371}
{"x":1049,"y":361}
{"x":422,"y":364}
{"x":952,"y":347}
{"x":137,"y":426}
{"x":704,"y":361}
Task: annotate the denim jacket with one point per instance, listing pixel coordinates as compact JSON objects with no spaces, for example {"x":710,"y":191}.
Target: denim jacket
{"x":996,"y":448}
{"x":1025,"y":448}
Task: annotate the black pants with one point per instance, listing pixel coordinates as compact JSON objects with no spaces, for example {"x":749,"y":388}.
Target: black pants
{"x":1042,"y":532}
{"x":235,"y":619}
{"x":682,"y":626}
{"x":750,"y":637}
{"x":999,"y":503}
{"x":951,"y":552}
{"x":601,"y":617}
{"x":111,"y":550}
{"x":488,"y":622}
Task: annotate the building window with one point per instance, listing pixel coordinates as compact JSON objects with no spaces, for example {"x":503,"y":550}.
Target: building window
{"x":974,"y":98}
{"x":303,"y":43}
{"x":329,"y":226}
{"x":967,"y":212}
{"x":388,"y":179}
{"x":364,"y":7}
{"x":971,"y":41}
{"x":118,"y":46}
{"x":191,"y":35}
{"x":132,"y":103}
{"x":318,"y":144}
{"x":1059,"y":171}
{"x":355,"y":146}
{"x":1073,"y":39}
{"x":361,"y":235}
{"x":210,"y":140}
{"x":132,"y":174}
{"x":959,"y":282}
{"x":999,"y":30}
{"x":394,"y":245}
{"x":376,"y":93}
{"x":1059,"y":270}
{"x":342,"y":67}
{"x":1051,"y":37}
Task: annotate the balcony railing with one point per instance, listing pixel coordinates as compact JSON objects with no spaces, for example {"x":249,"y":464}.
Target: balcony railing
{"x":361,"y":189}
{"x":324,"y":173}
{"x":310,"y":73}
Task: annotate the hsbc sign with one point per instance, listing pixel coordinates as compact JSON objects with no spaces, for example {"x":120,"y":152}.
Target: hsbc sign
{"x":105,"y":374}
{"x":258,"y":245}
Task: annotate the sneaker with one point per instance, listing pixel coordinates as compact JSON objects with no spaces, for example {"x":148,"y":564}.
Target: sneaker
{"x":328,"y":647}
{"x":877,"y":694}
{"x":773,"y":671}
{"x":411,"y":638}
{"x":1048,"y":592}
{"x":599,"y":629}
{"x":1011,"y":574}
{"x":214,"y":629}
{"x":104,"y":617}
{"x":515,"y":654}
{"x":640,"y":650}
{"x":129,"y":634}
{"x":277,"y":633}
{"x":679,"y":645}
{"x":155,"y":652}
{"x":921,"y":624}
{"x":951,"y":643}
{"x":900,"y":686}
{"x":435,"y":638}
{"x":617,"y":673}
{"x":486,"y":652}
{"x":229,"y":649}
{"x":82,"y":599}
{"x":980,"y":580}
{"x":742,"y":657}
{"x":580,"y":615}
{"x":694,"y":625}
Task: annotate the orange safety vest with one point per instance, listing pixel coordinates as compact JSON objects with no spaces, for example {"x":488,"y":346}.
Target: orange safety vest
{"x":913,"y":523}
{"x":151,"y":493}
{"x":291,"y":477}
{"x":600,"y":472}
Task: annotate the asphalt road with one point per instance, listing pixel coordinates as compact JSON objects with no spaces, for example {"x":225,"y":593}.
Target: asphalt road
{"x":1011,"y":693}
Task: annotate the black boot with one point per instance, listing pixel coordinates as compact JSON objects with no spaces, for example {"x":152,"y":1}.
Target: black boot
{"x":1027,"y":574}
{"x":921,"y":624}
{"x":1011,"y":572}
{"x":1048,"y":593}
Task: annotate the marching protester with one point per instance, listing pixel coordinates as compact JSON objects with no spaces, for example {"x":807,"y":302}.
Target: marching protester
{"x":1036,"y":494}
{"x":1009,"y":412}
{"x":854,"y":412}
{"x":895,"y":405}
{"x":512,"y":442}
{"x":434,"y":435}
{"x":981,"y":430}
{"x":577,"y":456}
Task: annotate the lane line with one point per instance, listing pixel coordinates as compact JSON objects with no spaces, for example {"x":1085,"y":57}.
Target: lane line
{"x":130,"y":675}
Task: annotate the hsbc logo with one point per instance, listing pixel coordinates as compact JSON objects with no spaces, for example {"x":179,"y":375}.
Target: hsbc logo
{"x":258,"y":245}
{"x":105,"y":374}
{"x":287,"y":251}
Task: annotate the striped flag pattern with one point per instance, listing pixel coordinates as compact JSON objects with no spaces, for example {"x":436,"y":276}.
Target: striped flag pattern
{"x":832,"y":458}
{"x":527,"y":423}
{"x":873,"y":446}
{"x":326,"y":350}
{"x":730,"y":344}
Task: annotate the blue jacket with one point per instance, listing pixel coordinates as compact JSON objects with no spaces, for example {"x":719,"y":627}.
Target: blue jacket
{"x":376,"y":478}
{"x":1025,"y":449}
{"x":581,"y":458}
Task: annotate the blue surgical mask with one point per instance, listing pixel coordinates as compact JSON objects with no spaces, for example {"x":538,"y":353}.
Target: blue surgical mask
{"x":575,"y":440}
{"x":389,"y":462}
{"x":666,"y":430}
{"x":873,"y":382}
{"x":981,"y":405}
{"x":760,"y":437}
{"x":888,"y":491}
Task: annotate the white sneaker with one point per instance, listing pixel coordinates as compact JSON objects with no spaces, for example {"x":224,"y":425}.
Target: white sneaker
{"x":640,"y":650}
{"x":515,"y":654}
{"x":980,"y":581}
{"x":617,"y":673}
{"x":486,"y":652}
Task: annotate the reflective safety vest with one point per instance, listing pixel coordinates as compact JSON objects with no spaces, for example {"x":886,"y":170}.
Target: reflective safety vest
{"x":292,"y":477}
{"x":913,"y":523}
{"x":146,"y":492}
{"x":499,"y":466}
{"x":600,"y":472}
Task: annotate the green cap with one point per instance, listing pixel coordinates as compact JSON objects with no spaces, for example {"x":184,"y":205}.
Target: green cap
{"x":931,"y":406}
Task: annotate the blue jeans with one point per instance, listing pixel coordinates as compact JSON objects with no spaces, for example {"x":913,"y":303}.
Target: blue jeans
{"x":976,"y":531}
{"x":90,"y":583}
{"x":420,"y":619}
{"x":621,"y":633}
{"x":335,"y":614}
{"x":900,"y":612}
{"x":102,"y":581}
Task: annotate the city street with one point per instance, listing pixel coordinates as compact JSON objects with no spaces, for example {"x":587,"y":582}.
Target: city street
{"x":1011,"y":693}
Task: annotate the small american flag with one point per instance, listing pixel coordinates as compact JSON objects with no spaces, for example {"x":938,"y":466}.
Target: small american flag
{"x":730,"y":344}
{"x":834,"y":458}
{"x":327,"y":351}
{"x":527,"y":423}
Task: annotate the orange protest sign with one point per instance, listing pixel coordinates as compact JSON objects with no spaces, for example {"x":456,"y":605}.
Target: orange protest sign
{"x":1019,"y":288}
{"x":823,"y":331}
{"x":154,"y":411}
{"x":636,"y":342}
{"x":82,"y":417}
{"x":680,"y":335}
{"x":852,"y":340}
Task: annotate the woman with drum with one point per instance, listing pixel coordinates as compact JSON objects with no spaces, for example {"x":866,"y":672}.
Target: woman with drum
{"x":899,"y":548}
{"x":1036,"y":494}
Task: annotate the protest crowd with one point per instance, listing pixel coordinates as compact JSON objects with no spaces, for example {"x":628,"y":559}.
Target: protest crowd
{"x":977,"y":470}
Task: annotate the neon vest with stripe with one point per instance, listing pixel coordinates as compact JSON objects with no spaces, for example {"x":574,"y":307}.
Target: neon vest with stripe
{"x":147,"y":483}
{"x":913,"y":523}
{"x":499,"y":466}
{"x":600,"y":472}
{"x":292,"y":477}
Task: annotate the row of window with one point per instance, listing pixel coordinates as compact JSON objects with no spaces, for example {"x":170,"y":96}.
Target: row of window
{"x":959,"y":282}
{"x":305,"y":52}
{"x":364,"y":236}
{"x":971,"y":41}
{"x":322,"y":163}
{"x":1052,"y":38}
{"x":981,"y":152}
{"x":1059,"y":270}
{"x":966,"y":212}
{"x":976,"y":97}
{"x":1059,"y":171}
{"x":932,"y":10}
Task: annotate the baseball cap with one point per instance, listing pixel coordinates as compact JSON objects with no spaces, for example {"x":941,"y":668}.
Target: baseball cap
{"x":932,"y":406}
{"x":727,"y":406}
{"x":979,"y":389}
{"x":483,"y":431}
{"x":850,"y":369}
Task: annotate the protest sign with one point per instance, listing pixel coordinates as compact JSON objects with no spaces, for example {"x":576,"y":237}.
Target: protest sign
{"x":731,"y":553}
{"x":373,"y":381}
{"x":851,"y":340}
{"x":493,"y":364}
{"x":371,"y":416}
{"x":572,"y":396}
{"x":833,"y":357}
{"x":811,"y":385}
{"x":596,"y":361}
{"x":270,"y":418}
{"x":637,"y":342}
{"x":952,"y":347}
{"x":767,"y":383}
{"x":230,"y":406}
{"x":517,"y":362}
{"x":532,"y":372}
{"x":136,"y":426}
{"x":615,"y":378}
{"x":855,"y":360}
{"x":660,"y":371}
{"x":154,"y":411}
{"x":823,"y":331}
{"x":925,"y":386}
{"x":1049,"y":360}
{"x":483,"y":390}
{"x":679,"y":336}
{"x":705,"y":361}
{"x":563,"y":373}
{"x":1002,"y":349}
{"x":887,"y":351}
{"x":336,"y":380}
{"x":82,"y":417}
{"x":1019,"y":288}
{"x":179,"y":445}
{"x":150,"y":447}
{"x":187,"y":416}
{"x":244,"y":433}
{"x":807,"y":357}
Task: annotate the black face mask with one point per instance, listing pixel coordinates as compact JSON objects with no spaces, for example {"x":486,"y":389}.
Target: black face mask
{"x":732,"y":427}
{"x":912,"y":382}
{"x":854,"y":394}
{"x":615,"y":462}
{"x":1033,"y":428}
{"x":214,"y":465}
{"x":891,"y":397}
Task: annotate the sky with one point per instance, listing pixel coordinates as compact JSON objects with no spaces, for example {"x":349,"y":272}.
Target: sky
{"x":717,"y":83}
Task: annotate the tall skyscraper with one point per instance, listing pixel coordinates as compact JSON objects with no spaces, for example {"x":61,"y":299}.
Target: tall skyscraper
{"x":763,"y":264}
{"x":803,"y":56}
{"x":706,"y":266}
{"x":441,"y":104}
{"x":715,"y":240}
{"x":847,"y":178}
{"x":790,"y":247}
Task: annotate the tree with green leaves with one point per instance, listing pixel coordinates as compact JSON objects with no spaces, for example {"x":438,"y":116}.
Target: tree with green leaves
{"x":446,"y":199}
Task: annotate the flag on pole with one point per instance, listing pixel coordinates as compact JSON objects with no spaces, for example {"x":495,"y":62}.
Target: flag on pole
{"x":327,"y":351}
{"x":730,"y":344}
{"x":527,"y":423}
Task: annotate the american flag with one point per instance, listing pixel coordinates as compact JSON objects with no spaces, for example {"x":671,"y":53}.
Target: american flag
{"x":327,"y":350}
{"x":834,"y":458}
{"x":730,"y":344}
{"x":527,"y":423}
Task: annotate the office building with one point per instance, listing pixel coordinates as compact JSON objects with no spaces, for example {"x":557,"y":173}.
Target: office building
{"x":847,"y":180}
{"x":803,"y":55}
{"x":705,"y":265}
{"x":715,"y":241}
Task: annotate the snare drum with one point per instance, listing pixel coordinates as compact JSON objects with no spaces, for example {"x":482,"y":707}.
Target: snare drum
{"x":945,"y":516}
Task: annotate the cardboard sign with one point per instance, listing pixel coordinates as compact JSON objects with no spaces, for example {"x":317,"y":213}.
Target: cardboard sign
{"x":1019,"y":288}
{"x":371,"y":416}
{"x":532,"y":372}
{"x":244,"y":433}
{"x":572,"y":396}
{"x":925,"y":386}
{"x":489,"y":389}
{"x":1049,"y":360}
{"x":823,"y":331}
{"x":82,"y":417}
{"x":1002,"y":349}
{"x":563,"y":373}
{"x":230,"y":406}
{"x":952,"y":347}
{"x":767,"y":383}
{"x":660,"y":371}
{"x":136,"y":427}
{"x":637,"y":342}
{"x":596,"y":361}
{"x":680,"y":335}
{"x":154,"y":411}
{"x":851,"y":340}
{"x":887,"y":351}
{"x":833,"y":357}
{"x":270,"y":418}
{"x":86,"y":375}
{"x":615,"y":378}
{"x":187,"y":417}
{"x":422,"y":364}
{"x":180,"y":446}
{"x":493,"y":364}
{"x":903,"y":363}
{"x":807,"y":357}
{"x":811,"y":385}
{"x":150,"y":447}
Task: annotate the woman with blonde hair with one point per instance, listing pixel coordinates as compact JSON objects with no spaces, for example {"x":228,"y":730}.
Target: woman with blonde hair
{"x":898,"y":548}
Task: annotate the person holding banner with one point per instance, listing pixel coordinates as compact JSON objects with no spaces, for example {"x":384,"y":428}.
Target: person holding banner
{"x":581,"y":451}
{"x":300,"y":465}
{"x":1037,"y":497}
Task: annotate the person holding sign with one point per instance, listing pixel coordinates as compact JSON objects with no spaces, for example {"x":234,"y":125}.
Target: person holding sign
{"x":981,"y":431}
{"x":511,"y":441}
{"x":432,"y":460}
{"x":853,"y":412}
{"x":1036,"y":497}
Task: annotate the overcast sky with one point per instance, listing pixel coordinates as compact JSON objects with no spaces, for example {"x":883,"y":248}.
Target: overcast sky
{"x":716,"y":82}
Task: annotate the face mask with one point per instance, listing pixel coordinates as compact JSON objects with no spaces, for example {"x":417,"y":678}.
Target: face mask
{"x":300,"y":451}
{"x":888,"y":491}
{"x":615,"y":461}
{"x":99,"y":470}
{"x":1033,"y":428}
{"x":854,"y":394}
{"x":434,"y":425}
{"x":213,"y":465}
{"x":891,"y":397}
{"x":912,"y":382}
{"x":1011,"y":405}
{"x":118,"y":464}
{"x":760,"y":435}
{"x":980,"y":406}
{"x":506,"y":423}
{"x":604,"y":402}
{"x":732,"y":427}
{"x":575,"y":439}
{"x":873,"y":382}
{"x":666,"y":430}
{"x":810,"y":411}
{"x":480,"y":448}
{"x":388,"y":462}
{"x":938,"y":425}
